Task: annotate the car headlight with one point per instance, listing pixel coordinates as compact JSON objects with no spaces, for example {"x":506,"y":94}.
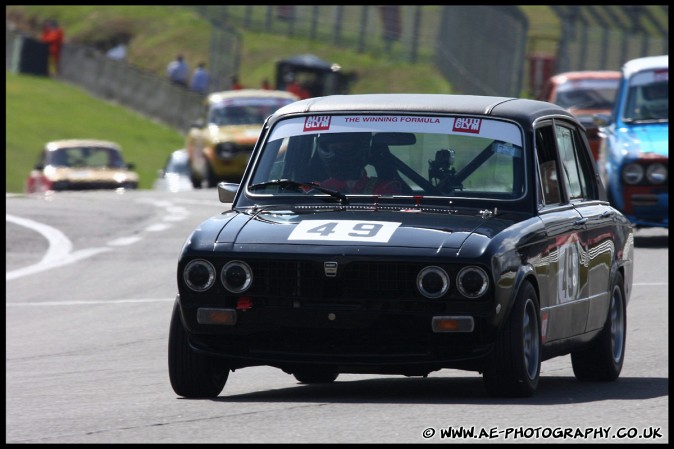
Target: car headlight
{"x":472,"y":282}
{"x":236,"y":276}
{"x":633,"y":173}
{"x":656,"y":173}
{"x":199,"y":275}
{"x":432,"y":282}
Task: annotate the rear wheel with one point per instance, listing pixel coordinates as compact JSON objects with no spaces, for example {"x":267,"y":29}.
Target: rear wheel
{"x":192,"y":375}
{"x":514,"y":366}
{"x":315,"y":375}
{"x":603,"y":359}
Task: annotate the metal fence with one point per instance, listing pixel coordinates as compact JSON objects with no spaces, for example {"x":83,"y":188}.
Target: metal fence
{"x":479,"y":49}
{"x":482,"y":49}
{"x":402,"y":33}
{"x":594,"y":48}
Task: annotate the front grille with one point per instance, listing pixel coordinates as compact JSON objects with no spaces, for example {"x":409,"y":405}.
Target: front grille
{"x":301,"y":279}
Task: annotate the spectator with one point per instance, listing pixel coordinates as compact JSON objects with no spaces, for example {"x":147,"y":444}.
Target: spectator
{"x":200,"y":79}
{"x":236,"y":85}
{"x":266,"y":85}
{"x":178,"y":71}
{"x":52,"y":35}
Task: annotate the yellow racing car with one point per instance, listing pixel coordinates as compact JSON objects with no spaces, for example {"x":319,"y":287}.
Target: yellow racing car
{"x":220,"y":142}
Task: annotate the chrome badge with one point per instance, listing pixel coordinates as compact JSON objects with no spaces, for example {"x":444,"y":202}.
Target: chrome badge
{"x":330,"y":269}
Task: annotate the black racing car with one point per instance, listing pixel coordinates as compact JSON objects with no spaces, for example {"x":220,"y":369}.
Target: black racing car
{"x":404,"y":234}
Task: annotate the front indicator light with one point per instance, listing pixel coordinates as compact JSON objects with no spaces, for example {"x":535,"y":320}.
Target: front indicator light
{"x":453,"y":324}
{"x":225,"y":317}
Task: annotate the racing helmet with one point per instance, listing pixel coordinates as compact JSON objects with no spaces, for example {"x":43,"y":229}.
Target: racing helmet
{"x":344,"y":154}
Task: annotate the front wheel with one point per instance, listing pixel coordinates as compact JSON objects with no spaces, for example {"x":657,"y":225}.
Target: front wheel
{"x":192,"y":375}
{"x":603,"y":359}
{"x":514,"y":365}
{"x":211,"y":179}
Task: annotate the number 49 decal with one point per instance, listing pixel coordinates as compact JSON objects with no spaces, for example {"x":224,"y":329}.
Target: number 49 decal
{"x":344,"y":230}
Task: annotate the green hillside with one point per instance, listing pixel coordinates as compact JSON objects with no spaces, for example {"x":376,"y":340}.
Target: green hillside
{"x":161,"y":32}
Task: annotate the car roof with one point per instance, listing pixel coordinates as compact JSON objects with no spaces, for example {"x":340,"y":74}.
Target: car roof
{"x":586,"y":74}
{"x":217,"y":97}
{"x":649,"y":62}
{"x":523,"y":111}
{"x":69,"y":143}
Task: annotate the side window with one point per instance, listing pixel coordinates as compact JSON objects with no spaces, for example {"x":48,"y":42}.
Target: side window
{"x":576,"y":173}
{"x":547,"y":165}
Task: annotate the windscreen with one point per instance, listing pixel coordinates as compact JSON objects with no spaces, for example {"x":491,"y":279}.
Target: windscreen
{"x":244,"y":111}
{"x":393,"y":155}
{"x":648,"y":96}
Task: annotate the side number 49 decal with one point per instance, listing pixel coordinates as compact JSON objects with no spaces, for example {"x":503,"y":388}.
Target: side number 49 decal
{"x":344,"y":230}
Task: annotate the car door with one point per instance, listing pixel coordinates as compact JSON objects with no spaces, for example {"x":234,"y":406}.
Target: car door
{"x":562,"y":277}
{"x":597,"y":223}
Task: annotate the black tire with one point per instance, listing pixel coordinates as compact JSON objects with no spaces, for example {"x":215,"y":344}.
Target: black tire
{"x":192,"y":375}
{"x":514,"y":366}
{"x":211,"y":179}
{"x":196,"y":183}
{"x":316,"y":375}
{"x":603,"y":359}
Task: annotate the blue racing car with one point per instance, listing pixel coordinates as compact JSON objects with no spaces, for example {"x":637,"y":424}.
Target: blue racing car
{"x":634,"y":153}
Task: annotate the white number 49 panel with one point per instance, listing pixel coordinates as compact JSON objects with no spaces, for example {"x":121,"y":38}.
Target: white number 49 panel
{"x":344,"y":230}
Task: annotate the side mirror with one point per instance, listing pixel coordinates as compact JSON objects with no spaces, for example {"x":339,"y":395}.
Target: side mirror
{"x":227,"y":191}
{"x":131,"y":165}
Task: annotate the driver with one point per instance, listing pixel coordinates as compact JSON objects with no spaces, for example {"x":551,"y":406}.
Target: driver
{"x":344,"y":156}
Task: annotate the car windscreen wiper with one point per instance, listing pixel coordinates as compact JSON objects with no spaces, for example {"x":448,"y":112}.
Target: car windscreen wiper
{"x":285,"y":183}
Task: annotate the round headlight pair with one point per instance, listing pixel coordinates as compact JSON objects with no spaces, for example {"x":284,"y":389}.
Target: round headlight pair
{"x":236,"y":276}
{"x":634,"y":173}
{"x":433,"y":282}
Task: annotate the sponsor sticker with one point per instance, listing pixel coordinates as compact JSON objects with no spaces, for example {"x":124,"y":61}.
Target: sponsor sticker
{"x":467,"y":125}
{"x":661,"y":75}
{"x":317,"y":123}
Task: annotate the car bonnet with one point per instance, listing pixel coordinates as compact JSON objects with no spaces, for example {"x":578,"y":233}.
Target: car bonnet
{"x":651,"y":138}
{"x":360,"y":229}
{"x":241,"y":134}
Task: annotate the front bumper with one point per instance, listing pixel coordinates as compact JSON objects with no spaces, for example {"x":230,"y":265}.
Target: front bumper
{"x":646,"y":207}
{"x":363,"y":336}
